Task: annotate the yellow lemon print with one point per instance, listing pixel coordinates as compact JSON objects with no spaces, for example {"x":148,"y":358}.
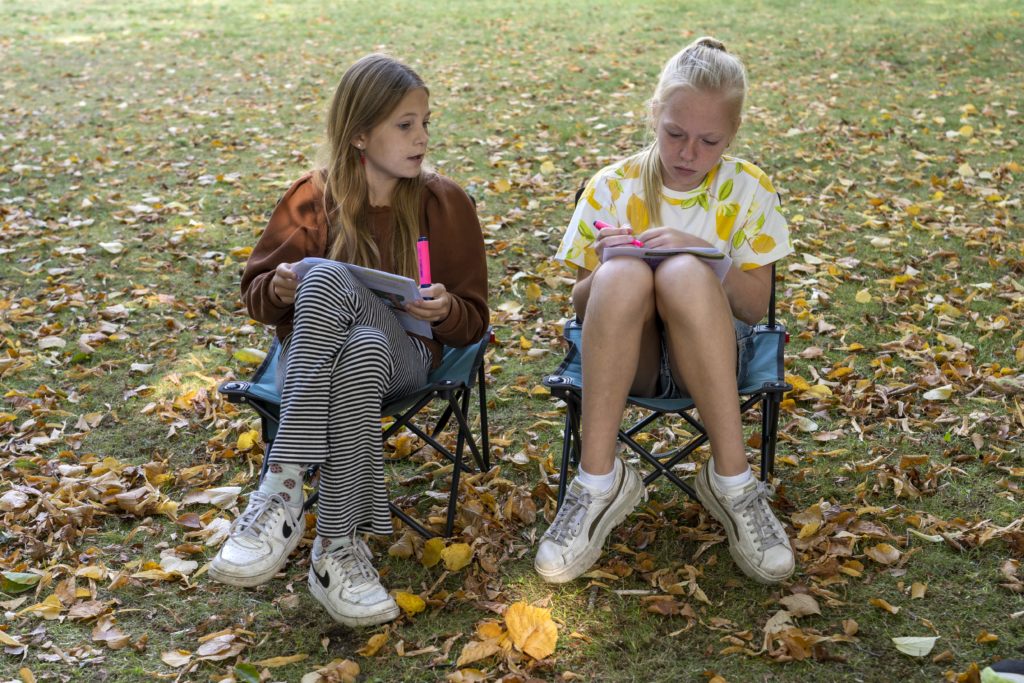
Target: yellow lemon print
{"x":630,"y":169}
{"x":636,"y":213}
{"x":761,"y":176}
{"x":762,"y":244}
{"x":591,"y":200}
{"x":616,"y":189}
{"x":725,"y":219}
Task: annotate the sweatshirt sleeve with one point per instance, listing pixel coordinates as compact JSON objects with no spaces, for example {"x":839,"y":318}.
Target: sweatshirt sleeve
{"x":458,"y":260}
{"x":295,"y":230}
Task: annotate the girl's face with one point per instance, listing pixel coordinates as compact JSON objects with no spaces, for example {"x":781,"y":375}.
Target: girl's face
{"x":693,"y":128}
{"x":396,"y":146}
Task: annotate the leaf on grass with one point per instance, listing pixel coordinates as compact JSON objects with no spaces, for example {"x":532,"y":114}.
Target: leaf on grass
{"x":917,"y":590}
{"x":456,"y":556}
{"x":915,"y":646}
{"x":176,"y":658}
{"x":373,"y":645}
{"x":403,"y":547}
{"x":410,"y":603}
{"x":883,"y":553}
{"x":8,"y":640}
{"x":247,"y":673}
{"x":800,"y":604}
{"x":939,"y":394}
{"x":18,"y":582}
{"x":48,"y":609}
{"x":531,"y":629}
{"x":275,"y":662}
{"x":338,"y":671}
{"x":882,"y":604}
{"x":475,"y":650}
{"x":432,"y":552}
{"x":246,"y":440}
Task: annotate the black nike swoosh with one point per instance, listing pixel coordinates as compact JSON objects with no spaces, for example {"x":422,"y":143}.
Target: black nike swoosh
{"x":324,"y":579}
{"x":286,"y":527}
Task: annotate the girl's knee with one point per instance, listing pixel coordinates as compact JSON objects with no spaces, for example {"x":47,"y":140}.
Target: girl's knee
{"x":686,"y":271}
{"x":367,"y":342}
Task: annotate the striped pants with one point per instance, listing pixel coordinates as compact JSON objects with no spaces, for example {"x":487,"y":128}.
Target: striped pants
{"x":347,"y":356}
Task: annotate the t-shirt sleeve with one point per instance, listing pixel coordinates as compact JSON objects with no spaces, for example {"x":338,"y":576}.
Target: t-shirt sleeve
{"x":763,"y":237}
{"x":596,"y":203}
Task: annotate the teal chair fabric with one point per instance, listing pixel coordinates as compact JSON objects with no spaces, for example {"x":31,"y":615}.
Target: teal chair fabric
{"x":452,"y":383}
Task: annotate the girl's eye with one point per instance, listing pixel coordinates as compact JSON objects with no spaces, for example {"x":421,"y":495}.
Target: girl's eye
{"x":711,"y":142}
{"x":404,"y":126}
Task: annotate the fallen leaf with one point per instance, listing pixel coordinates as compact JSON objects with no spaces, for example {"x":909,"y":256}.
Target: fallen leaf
{"x":531,"y":629}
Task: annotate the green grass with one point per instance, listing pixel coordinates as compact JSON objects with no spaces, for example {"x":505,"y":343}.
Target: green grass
{"x":172,"y":128}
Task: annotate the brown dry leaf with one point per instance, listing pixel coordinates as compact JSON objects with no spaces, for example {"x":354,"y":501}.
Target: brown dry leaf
{"x":531,"y":629}
{"x":338,"y":671}
{"x":176,"y":658}
{"x":275,"y":662}
{"x":106,"y":632}
{"x":883,"y":553}
{"x":800,"y":604}
{"x":475,"y":650}
{"x":882,"y":604}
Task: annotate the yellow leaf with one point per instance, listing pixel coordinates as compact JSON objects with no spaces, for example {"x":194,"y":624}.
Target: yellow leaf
{"x":913,"y":210}
{"x":502,"y":186}
{"x":8,"y":640}
{"x":917,"y":590}
{"x":966,"y":131}
{"x":882,"y":604}
{"x":531,"y":629}
{"x":410,"y":604}
{"x":373,"y":645}
{"x":883,"y":553}
{"x":487,"y":630}
{"x":986,"y":637}
{"x":547,"y":168}
{"x":246,"y":440}
{"x":432,"y":552}
{"x":474,"y":651}
{"x":636,"y":214}
{"x":533,"y":291}
{"x":456,"y":556}
{"x":275,"y":662}
{"x":48,"y":609}
{"x":809,"y":529}
{"x":525,"y":343}
{"x":863,"y":297}
{"x":250,"y":356}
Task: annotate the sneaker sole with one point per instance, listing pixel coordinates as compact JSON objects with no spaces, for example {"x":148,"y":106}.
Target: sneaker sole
{"x":251,"y":580}
{"x":711,"y":504}
{"x":375,"y":619}
{"x":619,"y":510}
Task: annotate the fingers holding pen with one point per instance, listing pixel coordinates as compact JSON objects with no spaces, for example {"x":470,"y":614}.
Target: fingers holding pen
{"x":435,"y":305}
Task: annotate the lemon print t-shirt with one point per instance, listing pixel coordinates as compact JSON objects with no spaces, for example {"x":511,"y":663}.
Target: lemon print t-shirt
{"x":735,"y":210}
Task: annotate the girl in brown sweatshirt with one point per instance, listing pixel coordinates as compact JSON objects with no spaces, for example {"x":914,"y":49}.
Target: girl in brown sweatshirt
{"x":344,"y":352}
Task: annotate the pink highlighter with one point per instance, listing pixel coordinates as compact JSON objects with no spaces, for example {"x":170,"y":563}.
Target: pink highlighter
{"x":423,"y":257}
{"x":601,"y":225}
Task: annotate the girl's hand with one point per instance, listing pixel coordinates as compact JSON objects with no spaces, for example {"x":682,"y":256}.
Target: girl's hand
{"x":436,"y":309}
{"x":670,"y":238}
{"x":284,"y":284}
{"x":612,"y":237}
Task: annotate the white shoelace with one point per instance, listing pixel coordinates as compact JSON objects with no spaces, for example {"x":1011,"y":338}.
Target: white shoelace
{"x":356,"y":562}
{"x":253,"y":521}
{"x":752,"y":506}
{"x":569,"y":519}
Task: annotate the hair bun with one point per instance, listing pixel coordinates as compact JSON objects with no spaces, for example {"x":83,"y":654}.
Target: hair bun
{"x":709,"y":42}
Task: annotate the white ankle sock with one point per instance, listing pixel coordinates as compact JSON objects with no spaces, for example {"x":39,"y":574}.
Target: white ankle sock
{"x":284,"y":479}
{"x":732,"y":483}
{"x":324,"y":544}
{"x":598,"y":483}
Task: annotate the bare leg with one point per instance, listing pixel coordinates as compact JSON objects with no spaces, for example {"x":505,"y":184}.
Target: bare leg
{"x":621,"y":354}
{"x":702,"y":350}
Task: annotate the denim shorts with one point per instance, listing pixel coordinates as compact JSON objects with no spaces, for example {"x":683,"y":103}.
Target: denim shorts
{"x":744,"y":353}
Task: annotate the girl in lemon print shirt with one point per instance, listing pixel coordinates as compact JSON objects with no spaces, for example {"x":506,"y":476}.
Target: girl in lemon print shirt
{"x":676,"y":327}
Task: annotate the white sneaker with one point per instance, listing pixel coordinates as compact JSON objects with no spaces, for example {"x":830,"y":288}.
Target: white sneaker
{"x":573,"y":542}
{"x":259,"y":542}
{"x":344,"y":581}
{"x":757,"y":541}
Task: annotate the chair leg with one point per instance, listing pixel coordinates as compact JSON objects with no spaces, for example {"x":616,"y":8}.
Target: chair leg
{"x":572,"y":446}
{"x":485,"y":438}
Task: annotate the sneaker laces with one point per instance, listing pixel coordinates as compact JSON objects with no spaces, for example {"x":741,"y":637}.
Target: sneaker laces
{"x":253,"y":521}
{"x":569,"y":519}
{"x":355,"y":562}
{"x":752,"y":505}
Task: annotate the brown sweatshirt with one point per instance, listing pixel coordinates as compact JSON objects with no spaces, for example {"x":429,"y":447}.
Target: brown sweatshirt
{"x":298,"y":228}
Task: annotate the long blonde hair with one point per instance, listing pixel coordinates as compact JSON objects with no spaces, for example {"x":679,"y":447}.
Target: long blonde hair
{"x":368,"y":92}
{"x":703,"y":66}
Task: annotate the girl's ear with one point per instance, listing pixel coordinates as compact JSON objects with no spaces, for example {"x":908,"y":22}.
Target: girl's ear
{"x":359,"y":141}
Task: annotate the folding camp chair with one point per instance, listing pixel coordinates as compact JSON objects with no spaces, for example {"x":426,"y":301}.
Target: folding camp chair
{"x":764,"y":385}
{"x":452,"y":382}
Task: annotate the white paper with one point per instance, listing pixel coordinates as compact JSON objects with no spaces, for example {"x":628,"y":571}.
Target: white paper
{"x":715,"y":259}
{"x":395,"y":290}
